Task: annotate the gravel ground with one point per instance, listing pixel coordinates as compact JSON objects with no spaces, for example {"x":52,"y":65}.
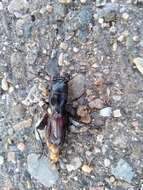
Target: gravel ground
{"x":100,"y":44}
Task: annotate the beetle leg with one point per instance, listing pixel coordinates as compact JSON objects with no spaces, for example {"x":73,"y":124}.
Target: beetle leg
{"x":43,"y":122}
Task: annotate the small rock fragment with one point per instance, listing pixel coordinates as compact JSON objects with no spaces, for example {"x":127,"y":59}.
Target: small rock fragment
{"x":107,"y":162}
{"x":18,"y":5}
{"x":117,"y":113}
{"x":64,"y":46}
{"x":97,"y":103}
{"x":21,"y":146}
{"x":121,"y":38}
{"x":42,"y":170}
{"x":114,"y":46}
{"x":11,"y":157}
{"x":138,"y":61}
{"x":123,"y":171}
{"x":87,"y":169}
{"x":49,"y":8}
{"x":135,"y":124}
{"x":4,"y":84}
{"x":83,"y":1}
{"x":1,"y":160}
{"x":106,"y":112}
{"x":135,"y":38}
{"x":61,"y":59}
{"x":76,"y":86}
{"x":100,"y":3}
{"x":1,"y":6}
{"x":65,"y":1}
{"x":125,"y":16}
{"x":85,"y":117}
{"x":75,"y":49}
{"x":23,"y":124}
{"x":74,"y":165}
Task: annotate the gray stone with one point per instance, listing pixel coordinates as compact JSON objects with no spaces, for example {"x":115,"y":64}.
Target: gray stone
{"x":74,"y":165}
{"x":123,"y":171}
{"x":18,"y":6}
{"x":106,"y":112}
{"x":42,"y":170}
{"x":76,"y":86}
{"x":78,"y":19}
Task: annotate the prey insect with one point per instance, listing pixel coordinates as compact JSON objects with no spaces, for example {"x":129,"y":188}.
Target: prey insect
{"x":55,"y":123}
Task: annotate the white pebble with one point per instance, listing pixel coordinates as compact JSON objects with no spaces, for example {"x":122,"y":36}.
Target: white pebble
{"x":135,"y":38}
{"x":117,"y":113}
{"x":125,"y":16}
{"x":101,"y":20}
{"x":64,"y":45}
{"x":107,"y":162}
{"x":75,"y":49}
{"x":106,"y":112}
{"x":83,"y":1}
{"x":1,"y":160}
{"x":4,"y":84}
{"x":121,"y":38}
{"x":49,"y":8}
{"x":1,"y":6}
{"x":65,"y":1}
{"x":61,"y":59}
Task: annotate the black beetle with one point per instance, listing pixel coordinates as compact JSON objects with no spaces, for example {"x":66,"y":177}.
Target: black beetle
{"x":55,"y":123}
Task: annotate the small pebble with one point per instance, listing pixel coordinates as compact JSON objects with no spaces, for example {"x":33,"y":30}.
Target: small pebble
{"x":106,"y":112}
{"x":74,"y":165}
{"x":125,"y":16}
{"x":65,"y":1}
{"x":21,"y":146}
{"x":135,"y":38}
{"x":107,"y":162}
{"x":101,"y":20}
{"x":114,"y":46}
{"x":11,"y":89}
{"x":64,"y":46}
{"x":61,"y":59}
{"x":135,"y":124}
{"x":138,"y":61}
{"x":83,"y":1}
{"x":4,"y":84}
{"x":123,"y":171}
{"x":87,"y":169}
{"x":121,"y":38}
{"x":11,"y":157}
{"x":1,"y":160}
{"x":85,"y":117}
{"x":1,"y":6}
{"x":49,"y":8}
{"x":97,"y":103}
{"x":75,"y":49}
{"x":117,"y":113}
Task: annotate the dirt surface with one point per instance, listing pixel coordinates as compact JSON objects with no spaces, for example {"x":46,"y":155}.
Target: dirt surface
{"x":100,"y":44}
